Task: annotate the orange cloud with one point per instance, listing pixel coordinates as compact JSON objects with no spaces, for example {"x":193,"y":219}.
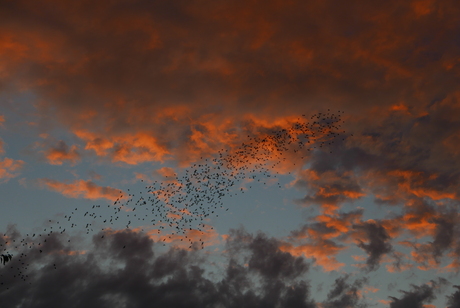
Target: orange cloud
{"x":359,"y":258}
{"x":454,"y":266}
{"x":9,"y":169}
{"x":130,"y":149}
{"x":384,"y":301}
{"x":420,"y":224}
{"x":323,"y":252}
{"x":329,"y":188}
{"x":61,"y":153}
{"x":167,"y":172}
{"x":418,"y":184}
{"x":2,"y":146}
{"x":253,"y":60}
{"x":399,"y":107}
{"x":371,"y":289}
{"x":82,"y":189}
{"x":423,"y":256}
{"x":342,"y":224}
{"x":93,"y":142}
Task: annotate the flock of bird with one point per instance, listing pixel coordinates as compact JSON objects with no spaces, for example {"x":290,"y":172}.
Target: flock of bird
{"x":178,"y":208}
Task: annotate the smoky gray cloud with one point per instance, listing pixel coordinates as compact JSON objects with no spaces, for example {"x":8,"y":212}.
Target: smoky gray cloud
{"x":419,"y":295}
{"x":125,"y":269}
{"x":378,"y":243}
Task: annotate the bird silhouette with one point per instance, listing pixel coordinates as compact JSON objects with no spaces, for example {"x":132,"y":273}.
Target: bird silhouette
{"x":180,"y":205}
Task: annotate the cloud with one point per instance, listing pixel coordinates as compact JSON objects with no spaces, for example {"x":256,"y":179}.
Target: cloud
{"x":9,"y":168}
{"x":323,"y":252}
{"x":126,"y":267}
{"x":81,"y":189}
{"x":166,"y":172}
{"x":425,"y":219}
{"x":147,"y":80}
{"x":344,"y":294}
{"x":323,"y":238}
{"x":328,"y":188}
{"x":454,"y":299}
{"x":420,"y":295}
{"x":444,"y":236}
{"x":2,"y":147}
{"x":377,"y":244}
{"x":267,"y":258}
{"x":400,"y":263}
{"x":130,"y":149}
{"x":61,"y":153}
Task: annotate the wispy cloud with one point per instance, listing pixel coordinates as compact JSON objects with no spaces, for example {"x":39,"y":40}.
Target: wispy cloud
{"x":82,"y":189}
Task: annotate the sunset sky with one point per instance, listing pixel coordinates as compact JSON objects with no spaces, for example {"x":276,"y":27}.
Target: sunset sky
{"x":105,"y":103}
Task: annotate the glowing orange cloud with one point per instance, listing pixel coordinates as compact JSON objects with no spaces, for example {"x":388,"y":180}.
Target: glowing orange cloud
{"x":82,"y":189}
{"x":9,"y":169}
{"x":130,"y":149}
{"x":329,"y":189}
{"x":417,"y":183}
{"x":341,"y":224}
{"x":61,"y":153}
{"x":191,"y":139}
{"x":399,"y":107}
{"x":420,"y":224}
{"x":454,"y":266}
{"x":422,"y":255}
{"x":323,"y":252}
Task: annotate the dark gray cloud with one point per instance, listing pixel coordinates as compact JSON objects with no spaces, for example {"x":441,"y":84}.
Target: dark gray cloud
{"x":377,"y":245}
{"x":444,"y":236}
{"x":419,"y":295}
{"x":270,"y":262}
{"x":345,"y":294}
{"x":124,"y":269}
{"x":453,"y":300}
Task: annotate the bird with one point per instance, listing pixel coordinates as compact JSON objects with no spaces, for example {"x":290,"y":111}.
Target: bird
{"x":182,"y":203}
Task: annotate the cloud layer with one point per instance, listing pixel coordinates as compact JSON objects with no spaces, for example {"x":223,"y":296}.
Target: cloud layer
{"x":128,"y":269}
{"x":136,"y":83}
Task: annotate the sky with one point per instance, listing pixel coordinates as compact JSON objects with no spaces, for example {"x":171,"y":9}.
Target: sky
{"x":230,"y":153}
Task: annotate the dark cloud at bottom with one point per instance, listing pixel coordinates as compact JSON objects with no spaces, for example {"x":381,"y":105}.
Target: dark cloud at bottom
{"x":125,"y":269}
{"x":419,"y":295}
{"x":454,"y":299}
